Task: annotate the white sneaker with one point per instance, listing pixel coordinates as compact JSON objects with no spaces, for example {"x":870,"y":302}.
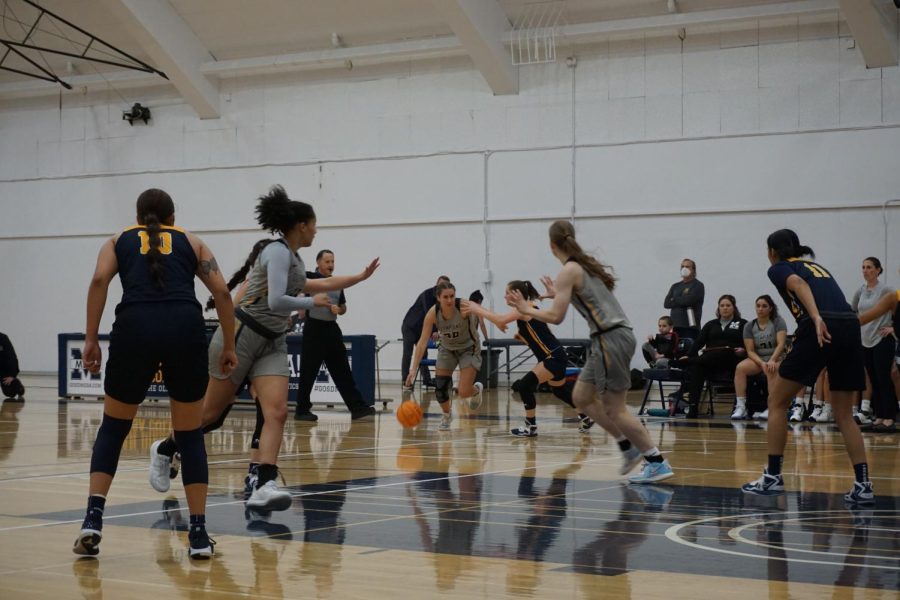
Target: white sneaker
{"x":269,"y":497}
{"x":816,"y":413}
{"x":740,"y":412}
{"x":762,"y":416}
{"x":159,"y":468}
{"x":827,"y":415}
{"x":446,"y":418}
{"x":796,"y":413}
{"x":475,"y":401}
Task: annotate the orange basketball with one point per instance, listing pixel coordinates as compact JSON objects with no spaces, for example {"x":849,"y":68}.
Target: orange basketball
{"x":409,"y":414}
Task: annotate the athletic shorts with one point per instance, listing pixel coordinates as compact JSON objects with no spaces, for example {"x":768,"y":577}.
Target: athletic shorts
{"x":449,"y":359}
{"x":157,"y":335}
{"x":608,"y":364}
{"x":556,"y":363}
{"x":843,"y":357}
{"x":257,"y":356}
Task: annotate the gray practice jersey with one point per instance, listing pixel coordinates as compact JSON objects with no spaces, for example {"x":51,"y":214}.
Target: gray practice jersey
{"x":597,"y":305}
{"x":765,"y":339}
{"x":864,"y":299}
{"x":273,"y":312}
{"x":457,"y":332}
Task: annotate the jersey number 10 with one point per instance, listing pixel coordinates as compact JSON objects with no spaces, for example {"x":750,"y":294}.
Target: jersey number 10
{"x":165,"y":242}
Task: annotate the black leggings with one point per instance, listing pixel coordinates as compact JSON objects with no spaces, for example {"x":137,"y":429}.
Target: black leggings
{"x":879,"y":360}
{"x":707,"y":364}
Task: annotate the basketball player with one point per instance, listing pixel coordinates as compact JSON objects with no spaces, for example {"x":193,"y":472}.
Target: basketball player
{"x":159,"y":323}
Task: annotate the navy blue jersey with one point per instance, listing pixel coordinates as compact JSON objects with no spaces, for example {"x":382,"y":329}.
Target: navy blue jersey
{"x":178,"y":261}
{"x":829,"y":298}
{"x":539,"y":338}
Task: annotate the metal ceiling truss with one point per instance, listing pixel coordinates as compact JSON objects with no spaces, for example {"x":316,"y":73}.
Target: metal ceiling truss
{"x":17,"y":47}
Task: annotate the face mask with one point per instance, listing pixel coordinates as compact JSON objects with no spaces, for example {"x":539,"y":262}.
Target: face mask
{"x":685,"y":272}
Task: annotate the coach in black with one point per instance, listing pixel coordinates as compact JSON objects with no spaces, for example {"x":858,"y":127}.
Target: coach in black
{"x":412,"y":328}
{"x":323,"y":341}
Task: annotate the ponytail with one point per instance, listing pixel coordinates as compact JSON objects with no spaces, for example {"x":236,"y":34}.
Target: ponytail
{"x":786,"y":245}
{"x":525,"y":288}
{"x":562,"y":235}
{"x":154,"y":206}
{"x":241,"y":274}
{"x":277,"y":213}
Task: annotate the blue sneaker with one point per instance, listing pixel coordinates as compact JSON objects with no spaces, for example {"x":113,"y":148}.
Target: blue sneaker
{"x":653,"y":472}
{"x":861,"y":493}
{"x":767,"y":485}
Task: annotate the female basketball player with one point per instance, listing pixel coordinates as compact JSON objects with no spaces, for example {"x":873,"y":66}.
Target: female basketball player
{"x":277,"y":276}
{"x":551,"y":357}
{"x":459,"y":346}
{"x":606,"y":377}
{"x":159,"y":324}
{"x":828,"y":336}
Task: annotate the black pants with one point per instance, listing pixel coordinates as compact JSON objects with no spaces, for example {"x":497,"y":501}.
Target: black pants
{"x":323,"y":341}
{"x":15,"y":388}
{"x":879,"y":359}
{"x":708,"y":363}
{"x":410,"y":338}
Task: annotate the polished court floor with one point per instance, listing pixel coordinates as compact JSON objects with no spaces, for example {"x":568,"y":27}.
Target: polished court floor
{"x":382,"y":512}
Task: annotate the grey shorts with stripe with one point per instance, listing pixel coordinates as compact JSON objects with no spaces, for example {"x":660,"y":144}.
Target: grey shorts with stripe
{"x":608,"y":365}
{"x":257,"y":355}
{"x":449,"y":359}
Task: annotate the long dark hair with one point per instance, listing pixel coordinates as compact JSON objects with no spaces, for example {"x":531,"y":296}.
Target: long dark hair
{"x":773,"y":314}
{"x":277,"y":213}
{"x":241,"y":274}
{"x":786,"y":244}
{"x":562,"y":235}
{"x":525,"y":288}
{"x":730,"y":298}
{"x":154,"y":207}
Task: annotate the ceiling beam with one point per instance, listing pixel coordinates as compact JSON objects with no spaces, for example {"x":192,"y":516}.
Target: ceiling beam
{"x":873,"y":24}
{"x":173,"y":46}
{"x":481,"y":26}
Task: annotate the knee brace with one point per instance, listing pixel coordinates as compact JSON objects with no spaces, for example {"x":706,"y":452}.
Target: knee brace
{"x":527,"y":386}
{"x":108,"y":445}
{"x":260,"y":419}
{"x":564,"y":393}
{"x":442,"y":388}
{"x":218,"y":422}
{"x":194,"y":468}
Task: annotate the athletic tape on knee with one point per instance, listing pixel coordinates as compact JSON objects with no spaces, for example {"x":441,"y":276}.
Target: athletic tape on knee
{"x":527,"y":386}
{"x":218,"y":422}
{"x":442,"y":388}
{"x":260,"y":420}
{"x":108,"y":445}
{"x":194,"y":468}
{"x":564,"y":393}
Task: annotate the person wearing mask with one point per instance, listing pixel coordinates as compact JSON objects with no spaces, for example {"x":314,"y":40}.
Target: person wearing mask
{"x":685,"y":301}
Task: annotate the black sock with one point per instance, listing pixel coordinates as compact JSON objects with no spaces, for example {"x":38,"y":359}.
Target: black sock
{"x":775,"y":463}
{"x":624,"y":445}
{"x":531,"y":421}
{"x":861,"y":470}
{"x":654,"y":459}
{"x":198,"y":522}
{"x":266,"y":473}
{"x":253,"y":468}
{"x":167,"y":447}
{"x":98,"y":503}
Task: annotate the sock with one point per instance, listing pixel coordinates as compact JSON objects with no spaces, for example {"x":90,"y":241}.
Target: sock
{"x":865,"y":405}
{"x":775,"y":463}
{"x":861,"y":471}
{"x":167,"y":447}
{"x":582,"y":416}
{"x":96,"y":504}
{"x":624,"y":444}
{"x":531,"y":421}
{"x":653,"y":455}
{"x":198,"y":522}
{"x":253,"y":468}
{"x":266,"y":473}
{"x":741,"y":401}
{"x":817,"y":402}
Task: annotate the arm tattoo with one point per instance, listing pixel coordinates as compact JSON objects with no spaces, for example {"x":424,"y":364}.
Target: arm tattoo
{"x":209,"y":266}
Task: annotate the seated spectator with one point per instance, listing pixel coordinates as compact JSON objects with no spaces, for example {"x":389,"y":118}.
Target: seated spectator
{"x":722,"y":342}
{"x":9,"y":370}
{"x":765,"y":338}
{"x":661,"y":348}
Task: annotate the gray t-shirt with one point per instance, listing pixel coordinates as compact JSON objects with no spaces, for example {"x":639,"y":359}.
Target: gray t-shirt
{"x":765,"y":339}
{"x":864,"y":299}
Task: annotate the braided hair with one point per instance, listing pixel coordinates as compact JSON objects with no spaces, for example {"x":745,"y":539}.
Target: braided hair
{"x":154,"y":207}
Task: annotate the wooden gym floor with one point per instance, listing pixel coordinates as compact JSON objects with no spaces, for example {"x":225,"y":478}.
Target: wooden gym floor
{"x":380,"y":512}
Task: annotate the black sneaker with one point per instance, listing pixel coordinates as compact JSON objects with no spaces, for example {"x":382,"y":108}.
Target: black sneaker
{"x":308,"y":416}
{"x":526,"y":430}
{"x":368,"y":411}
{"x":202,"y":546}
{"x":88,"y":541}
{"x":584,"y":424}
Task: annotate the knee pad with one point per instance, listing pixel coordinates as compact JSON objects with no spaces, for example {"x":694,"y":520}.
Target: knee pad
{"x":527,"y":387}
{"x":108,"y":445}
{"x":442,"y":388}
{"x":564,"y":393}
{"x":194,"y":468}
{"x":260,"y":419}
{"x":218,"y":422}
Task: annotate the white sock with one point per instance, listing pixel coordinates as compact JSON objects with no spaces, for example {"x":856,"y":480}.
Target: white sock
{"x":817,"y":402}
{"x":865,"y":405}
{"x":741,"y":401}
{"x":654,"y":451}
{"x":621,"y":439}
